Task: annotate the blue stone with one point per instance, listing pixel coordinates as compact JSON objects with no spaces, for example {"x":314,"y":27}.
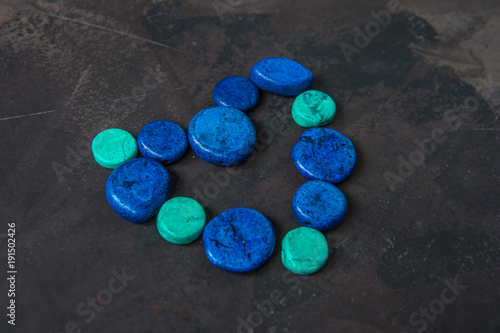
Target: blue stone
{"x":320,"y":205}
{"x":163,"y":141}
{"x":222,"y":135}
{"x":324,"y":154}
{"x":236,"y":92}
{"x":239,"y":240}
{"x":281,"y":76}
{"x":137,"y":189}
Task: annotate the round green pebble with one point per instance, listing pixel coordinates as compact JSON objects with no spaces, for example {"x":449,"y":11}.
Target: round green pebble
{"x":181,"y":220}
{"x":304,"y":251}
{"x":313,"y":108}
{"x":113,"y":147}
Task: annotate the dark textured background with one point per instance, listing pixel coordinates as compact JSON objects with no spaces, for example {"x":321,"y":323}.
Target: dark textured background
{"x":75,"y":68}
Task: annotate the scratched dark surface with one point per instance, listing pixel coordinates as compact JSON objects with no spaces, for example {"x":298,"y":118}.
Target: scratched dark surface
{"x":72,"y":69}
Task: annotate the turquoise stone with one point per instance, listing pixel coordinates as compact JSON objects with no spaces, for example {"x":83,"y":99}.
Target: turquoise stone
{"x":313,"y":108}
{"x":304,"y":251}
{"x":181,"y":220}
{"x":113,"y":147}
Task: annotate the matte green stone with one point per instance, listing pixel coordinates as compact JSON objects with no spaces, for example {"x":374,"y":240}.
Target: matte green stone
{"x":313,"y":108}
{"x":113,"y":147}
{"x":181,"y":220}
{"x":304,"y":251}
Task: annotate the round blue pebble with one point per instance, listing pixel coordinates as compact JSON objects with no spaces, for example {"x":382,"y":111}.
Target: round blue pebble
{"x":163,"y":141}
{"x":239,"y":240}
{"x":137,"y":189}
{"x":222,"y":135}
{"x":320,"y":205}
{"x":324,"y":154}
{"x":281,"y":76}
{"x":236,"y":92}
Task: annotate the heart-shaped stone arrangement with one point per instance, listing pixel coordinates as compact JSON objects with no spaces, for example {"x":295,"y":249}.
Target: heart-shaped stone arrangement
{"x":239,"y":239}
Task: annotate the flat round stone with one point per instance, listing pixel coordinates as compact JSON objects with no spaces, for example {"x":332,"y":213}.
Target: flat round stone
{"x":239,"y":240}
{"x":222,"y":135}
{"x":181,"y":220}
{"x":324,"y":154}
{"x":281,"y":76}
{"x":304,"y":251}
{"x":163,"y":141}
{"x":138,"y":188}
{"x":113,"y":147}
{"x":320,"y":205}
{"x":236,"y":92}
{"x":313,"y":108}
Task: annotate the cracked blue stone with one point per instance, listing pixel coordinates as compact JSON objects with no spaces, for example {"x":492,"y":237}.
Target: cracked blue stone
{"x":324,"y":154}
{"x":222,"y":136}
{"x":239,"y":240}
{"x":236,"y":92}
{"x":137,"y":189}
{"x":163,"y":141}
{"x":320,"y":205}
{"x":281,"y":76}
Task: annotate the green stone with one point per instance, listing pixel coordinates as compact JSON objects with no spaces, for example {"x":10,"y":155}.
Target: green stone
{"x":181,"y":220}
{"x":313,"y":108}
{"x":304,"y":251}
{"x":113,"y":147}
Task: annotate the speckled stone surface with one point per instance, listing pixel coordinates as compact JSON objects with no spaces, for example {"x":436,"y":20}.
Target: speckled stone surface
{"x":239,"y":240}
{"x":281,"y":76}
{"x":113,"y":147}
{"x":236,"y":92}
{"x":313,"y":108}
{"x":320,"y":205}
{"x":138,"y":188}
{"x":304,"y":251}
{"x":181,"y":220}
{"x":395,"y":90}
{"x":163,"y":141}
{"x":324,"y":154}
{"x":222,"y":135}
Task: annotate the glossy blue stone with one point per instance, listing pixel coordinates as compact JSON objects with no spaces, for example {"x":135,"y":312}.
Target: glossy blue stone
{"x":163,"y":141}
{"x":320,"y":205}
{"x":324,"y":154}
{"x":236,"y":92}
{"x":281,"y":76}
{"x":137,"y":189}
{"x":222,"y":135}
{"x":239,"y":240}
